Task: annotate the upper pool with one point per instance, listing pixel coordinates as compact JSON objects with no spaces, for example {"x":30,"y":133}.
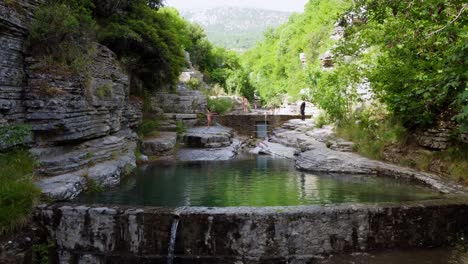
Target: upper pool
{"x":258,"y":181}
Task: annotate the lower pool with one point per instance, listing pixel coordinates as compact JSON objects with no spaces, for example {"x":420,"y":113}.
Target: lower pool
{"x":255,"y":181}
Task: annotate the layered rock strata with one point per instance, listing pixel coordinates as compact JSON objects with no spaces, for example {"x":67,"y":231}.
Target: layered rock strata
{"x":81,"y":123}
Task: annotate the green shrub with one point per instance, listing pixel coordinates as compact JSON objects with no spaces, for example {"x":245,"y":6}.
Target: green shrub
{"x":371,"y":133}
{"x":17,"y":191}
{"x":13,"y":135}
{"x":220,"y":105}
{"x":180,"y":127}
{"x":41,"y":253}
{"x":63,"y":33}
{"x":93,"y":186}
{"x":104,"y":90}
{"x":322,"y":120}
{"x":148,"y":127}
{"x":194,"y":83}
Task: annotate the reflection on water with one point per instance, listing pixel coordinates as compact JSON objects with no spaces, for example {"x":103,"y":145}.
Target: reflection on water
{"x":420,"y":256}
{"x":259,"y":181}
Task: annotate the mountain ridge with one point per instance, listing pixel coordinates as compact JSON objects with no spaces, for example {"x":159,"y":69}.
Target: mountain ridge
{"x":236,"y":28}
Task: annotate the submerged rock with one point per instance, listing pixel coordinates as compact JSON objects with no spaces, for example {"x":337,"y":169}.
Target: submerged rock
{"x":208,"y":137}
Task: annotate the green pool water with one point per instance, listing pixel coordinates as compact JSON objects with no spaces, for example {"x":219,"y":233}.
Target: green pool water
{"x":258,"y":181}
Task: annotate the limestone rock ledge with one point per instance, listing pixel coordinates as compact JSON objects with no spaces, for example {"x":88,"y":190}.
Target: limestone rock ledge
{"x":209,"y":137}
{"x":103,"y":161}
{"x":81,"y":123}
{"x":162,"y":145}
{"x":318,"y":150}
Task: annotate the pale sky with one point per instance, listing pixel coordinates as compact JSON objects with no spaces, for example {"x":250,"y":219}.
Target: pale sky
{"x":281,"y":5}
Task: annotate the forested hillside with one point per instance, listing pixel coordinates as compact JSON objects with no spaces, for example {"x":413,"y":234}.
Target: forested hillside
{"x":274,"y":64}
{"x":411,"y":55}
{"x":235,"y":28}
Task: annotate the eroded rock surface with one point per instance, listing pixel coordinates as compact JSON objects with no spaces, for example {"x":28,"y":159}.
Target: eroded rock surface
{"x":162,"y":145}
{"x":320,"y":150}
{"x":208,"y":137}
{"x":207,"y":154}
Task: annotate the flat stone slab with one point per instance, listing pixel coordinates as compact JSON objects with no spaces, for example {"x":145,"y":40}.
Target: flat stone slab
{"x":63,"y":187}
{"x":274,"y":149}
{"x":208,"y":137}
{"x":207,"y":154}
{"x":162,"y":145}
{"x":180,"y":116}
{"x":322,"y":159}
{"x":108,"y":173}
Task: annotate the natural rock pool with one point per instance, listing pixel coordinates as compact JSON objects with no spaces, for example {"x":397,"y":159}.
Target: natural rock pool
{"x":254,"y":181}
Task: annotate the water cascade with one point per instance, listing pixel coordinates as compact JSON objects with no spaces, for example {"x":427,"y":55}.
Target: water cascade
{"x":172,"y":241}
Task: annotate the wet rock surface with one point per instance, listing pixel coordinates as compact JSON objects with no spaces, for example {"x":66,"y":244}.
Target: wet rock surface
{"x":249,"y":235}
{"x":207,"y":154}
{"x":208,"y":137}
{"x":162,"y":145}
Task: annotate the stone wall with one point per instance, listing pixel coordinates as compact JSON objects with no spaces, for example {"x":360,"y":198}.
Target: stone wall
{"x":246,"y":124}
{"x":248,"y":235}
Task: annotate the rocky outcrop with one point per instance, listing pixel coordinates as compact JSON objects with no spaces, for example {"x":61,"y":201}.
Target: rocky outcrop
{"x":248,"y":235}
{"x":319,"y":150}
{"x":81,"y":123}
{"x":69,"y":108}
{"x":210,"y":154}
{"x":14,"y":17}
{"x":162,"y":145}
{"x":183,"y":101}
{"x":208,"y":137}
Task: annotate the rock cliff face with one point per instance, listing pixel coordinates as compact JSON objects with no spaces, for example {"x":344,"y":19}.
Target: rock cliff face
{"x":81,"y":123}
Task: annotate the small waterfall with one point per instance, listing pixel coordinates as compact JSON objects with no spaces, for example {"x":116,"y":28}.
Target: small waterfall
{"x":170,"y":252}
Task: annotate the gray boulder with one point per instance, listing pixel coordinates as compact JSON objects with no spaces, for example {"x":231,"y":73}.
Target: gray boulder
{"x":208,"y":137}
{"x":162,"y":145}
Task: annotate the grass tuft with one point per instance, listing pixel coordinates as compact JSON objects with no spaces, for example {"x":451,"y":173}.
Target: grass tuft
{"x":18,"y":194}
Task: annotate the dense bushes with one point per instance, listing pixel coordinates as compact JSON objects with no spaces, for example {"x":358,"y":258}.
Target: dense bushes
{"x":220,"y":105}
{"x":61,"y":35}
{"x":274,"y":65}
{"x":17,"y":190}
{"x":413,"y":53}
{"x":148,"y":40}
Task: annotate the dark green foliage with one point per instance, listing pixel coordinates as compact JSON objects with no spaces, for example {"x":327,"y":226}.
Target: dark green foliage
{"x":17,"y":190}
{"x":274,"y":65}
{"x":13,"y":135}
{"x":62,"y":31}
{"x":41,"y":253}
{"x":220,"y":105}
{"x":148,"y":41}
{"x":415,"y":54}
{"x":147,"y":127}
{"x":180,"y":127}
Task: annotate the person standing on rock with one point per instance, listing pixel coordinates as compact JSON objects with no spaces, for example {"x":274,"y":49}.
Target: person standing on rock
{"x":303,"y":105}
{"x":245,"y":104}
{"x":209,"y":116}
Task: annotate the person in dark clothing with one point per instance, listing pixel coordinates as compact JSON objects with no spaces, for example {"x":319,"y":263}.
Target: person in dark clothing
{"x":303,"y":105}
